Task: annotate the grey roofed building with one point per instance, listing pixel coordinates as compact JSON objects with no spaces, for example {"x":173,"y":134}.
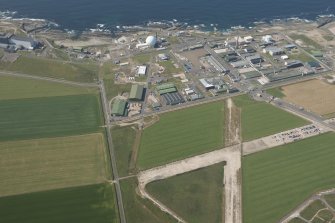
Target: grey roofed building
{"x":25,"y":42}
{"x":4,"y":40}
{"x":255,"y":59}
{"x":136,"y":92}
{"x":239,"y":64}
{"x":217,"y":65}
{"x":290,"y":46}
{"x":206,"y":84}
{"x":274,"y":51}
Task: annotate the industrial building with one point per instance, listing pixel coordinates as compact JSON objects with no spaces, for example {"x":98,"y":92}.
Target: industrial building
{"x":4,"y":40}
{"x":173,"y":98}
{"x":274,"y":51}
{"x":249,"y":50}
{"x":239,"y":64}
{"x":141,"y":70}
{"x":11,"y":41}
{"x":267,"y":39}
{"x":119,"y":108}
{"x":24,"y":42}
{"x":293,"y":64}
{"x":315,"y":65}
{"x":206,"y":84}
{"x":254,"y":59}
{"x":136,"y":92}
{"x":149,"y":42}
{"x":231,"y":58}
{"x":290,"y":46}
{"x":217,"y":65}
{"x":166,"y":88}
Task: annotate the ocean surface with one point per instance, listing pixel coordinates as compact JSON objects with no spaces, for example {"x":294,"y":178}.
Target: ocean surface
{"x":84,"y":14}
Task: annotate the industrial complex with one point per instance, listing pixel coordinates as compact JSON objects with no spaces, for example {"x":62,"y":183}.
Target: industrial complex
{"x":173,"y":123}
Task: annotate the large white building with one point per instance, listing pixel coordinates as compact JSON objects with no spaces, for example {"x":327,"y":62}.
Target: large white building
{"x":149,"y":42}
{"x":142,"y":70}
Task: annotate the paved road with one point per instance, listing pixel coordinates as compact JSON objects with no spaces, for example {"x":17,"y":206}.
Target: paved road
{"x":8,"y":73}
{"x":112,"y":153}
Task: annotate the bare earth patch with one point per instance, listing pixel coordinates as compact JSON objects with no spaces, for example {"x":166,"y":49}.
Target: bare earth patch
{"x":314,"y":95}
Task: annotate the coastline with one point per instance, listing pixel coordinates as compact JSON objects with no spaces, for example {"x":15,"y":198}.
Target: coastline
{"x":164,"y":24}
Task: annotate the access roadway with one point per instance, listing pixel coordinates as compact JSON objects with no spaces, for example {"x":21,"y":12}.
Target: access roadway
{"x":116,"y":178}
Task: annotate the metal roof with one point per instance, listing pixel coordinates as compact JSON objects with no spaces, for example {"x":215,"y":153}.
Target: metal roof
{"x":136,"y":92}
{"x":165,"y":86}
{"x":167,"y":90}
{"x":119,"y":107}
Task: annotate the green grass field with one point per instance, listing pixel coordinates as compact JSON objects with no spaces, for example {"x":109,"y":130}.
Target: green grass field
{"x":260,"y":119}
{"x":123,"y":140}
{"x":277,"y":180}
{"x":143,"y":58}
{"x":303,"y":57}
{"x":194,"y":196}
{"x":169,"y":67}
{"x":52,"y":116}
{"x":50,"y":163}
{"x":140,"y":210}
{"x":276,"y":92}
{"x":113,"y":90}
{"x":81,"y":72}
{"x":181,"y":134}
{"x":15,"y":88}
{"x":87,"y":204}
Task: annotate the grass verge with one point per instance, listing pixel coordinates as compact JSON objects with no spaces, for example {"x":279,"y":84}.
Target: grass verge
{"x":123,"y":140}
{"x":276,"y":92}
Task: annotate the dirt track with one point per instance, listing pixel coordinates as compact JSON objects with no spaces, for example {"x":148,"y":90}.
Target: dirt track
{"x":231,"y":155}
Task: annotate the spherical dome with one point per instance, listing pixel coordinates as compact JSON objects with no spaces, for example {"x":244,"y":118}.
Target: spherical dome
{"x":151,"y":40}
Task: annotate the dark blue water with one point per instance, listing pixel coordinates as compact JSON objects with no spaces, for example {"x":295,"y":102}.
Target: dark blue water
{"x":82,"y":14}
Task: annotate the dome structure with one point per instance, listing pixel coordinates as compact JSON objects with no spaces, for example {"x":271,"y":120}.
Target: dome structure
{"x":151,"y":41}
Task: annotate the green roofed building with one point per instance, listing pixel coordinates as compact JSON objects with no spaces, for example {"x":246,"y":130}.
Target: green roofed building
{"x":119,"y":107}
{"x":136,"y":92}
{"x":167,"y":90}
{"x":165,"y":86}
{"x":317,"y":53}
